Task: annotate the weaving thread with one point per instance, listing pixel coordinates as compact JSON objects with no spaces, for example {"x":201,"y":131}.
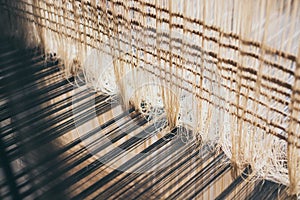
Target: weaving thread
{"x":227,"y":70}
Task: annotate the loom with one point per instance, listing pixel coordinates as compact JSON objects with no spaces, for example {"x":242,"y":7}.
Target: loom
{"x":141,"y":99}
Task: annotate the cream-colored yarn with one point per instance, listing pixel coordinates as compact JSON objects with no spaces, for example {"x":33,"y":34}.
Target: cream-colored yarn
{"x":227,"y":70}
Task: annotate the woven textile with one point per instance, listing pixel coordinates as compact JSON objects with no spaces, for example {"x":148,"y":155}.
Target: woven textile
{"x":229,"y":71}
